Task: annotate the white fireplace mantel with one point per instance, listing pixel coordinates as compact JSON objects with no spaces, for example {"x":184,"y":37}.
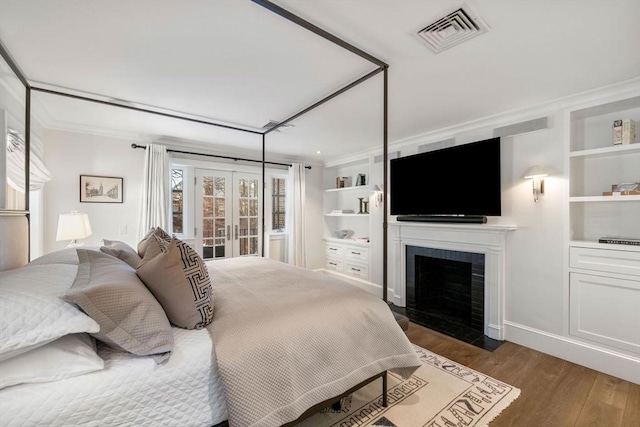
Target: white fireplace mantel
{"x":487,"y":239}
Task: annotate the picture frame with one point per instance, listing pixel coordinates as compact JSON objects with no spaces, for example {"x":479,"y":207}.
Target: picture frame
{"x":101,"y":189}
{"x":361,"y":179}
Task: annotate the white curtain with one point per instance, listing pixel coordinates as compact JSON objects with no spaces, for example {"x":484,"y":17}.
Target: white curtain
{"x":39,"y":175}
{"x":155,"y":190}
{"x":294,"y":221}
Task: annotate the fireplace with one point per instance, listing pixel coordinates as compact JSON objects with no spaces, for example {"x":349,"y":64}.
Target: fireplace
{"x":445,"y":290}
{"x":459,"y":248}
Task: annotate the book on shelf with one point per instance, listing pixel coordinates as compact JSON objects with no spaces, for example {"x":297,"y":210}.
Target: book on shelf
{"x":620,"y":240}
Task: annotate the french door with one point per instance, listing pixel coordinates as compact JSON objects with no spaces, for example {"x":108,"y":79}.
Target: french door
{"x":228,"y":216}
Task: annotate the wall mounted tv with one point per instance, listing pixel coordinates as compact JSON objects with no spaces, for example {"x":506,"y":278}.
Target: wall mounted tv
{"x":449,"y":183}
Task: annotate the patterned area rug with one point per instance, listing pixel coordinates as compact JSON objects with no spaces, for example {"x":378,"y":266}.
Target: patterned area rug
{"x":441,"y":393}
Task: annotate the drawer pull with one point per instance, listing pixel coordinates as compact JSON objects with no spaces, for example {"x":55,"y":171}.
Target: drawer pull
{"x":333,"y":249}
{"x":355,"y":253}
{"x":332,"y":263}
{"x":355,"y":269}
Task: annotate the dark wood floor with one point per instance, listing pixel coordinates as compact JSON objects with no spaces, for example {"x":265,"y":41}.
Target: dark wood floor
{"x":554,"y":392}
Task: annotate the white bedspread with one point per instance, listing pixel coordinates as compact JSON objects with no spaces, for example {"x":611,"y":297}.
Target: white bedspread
{"x":130,"y":391}
{"x":288,"y":338}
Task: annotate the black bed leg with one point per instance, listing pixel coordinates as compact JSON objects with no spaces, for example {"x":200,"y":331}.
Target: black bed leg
{"x":384,"y":389}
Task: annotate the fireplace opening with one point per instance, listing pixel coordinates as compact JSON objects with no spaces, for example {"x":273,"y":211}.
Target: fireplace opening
{"x":445,"y":292}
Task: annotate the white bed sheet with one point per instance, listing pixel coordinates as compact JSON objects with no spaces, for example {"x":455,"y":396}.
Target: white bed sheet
{"x":130,"y":391}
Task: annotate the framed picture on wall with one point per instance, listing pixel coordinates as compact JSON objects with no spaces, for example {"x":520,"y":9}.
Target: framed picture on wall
{"x":101,"y":189}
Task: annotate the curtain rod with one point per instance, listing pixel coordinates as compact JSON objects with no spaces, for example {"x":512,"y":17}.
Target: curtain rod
{"x":134,"y":146}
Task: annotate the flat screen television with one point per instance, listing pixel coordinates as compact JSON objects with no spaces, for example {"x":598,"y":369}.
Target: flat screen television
{"x":462,"y":180}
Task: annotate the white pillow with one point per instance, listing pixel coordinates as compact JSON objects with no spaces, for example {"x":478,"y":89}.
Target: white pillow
{"x":32,"y":312}
{"x":66,"y":357}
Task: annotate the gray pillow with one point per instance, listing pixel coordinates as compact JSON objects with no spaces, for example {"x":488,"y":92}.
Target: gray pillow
{"x":122,"y":251}
{"x":179,"y":280}
{"x":143,"y":244}
{"x":130,"y":318}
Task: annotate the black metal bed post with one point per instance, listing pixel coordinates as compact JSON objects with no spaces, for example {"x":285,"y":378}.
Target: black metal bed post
{"x":384,"y":389}
{"x":27,"y":134}
{"x":385,"y":159}
{"x":264,"y":196}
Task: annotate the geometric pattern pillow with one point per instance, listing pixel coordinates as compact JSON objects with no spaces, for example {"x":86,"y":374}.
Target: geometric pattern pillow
{"x":180,"y":281}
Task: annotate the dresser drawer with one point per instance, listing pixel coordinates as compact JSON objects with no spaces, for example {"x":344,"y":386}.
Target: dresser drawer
{"x":333,"y":250}
{"x":356,"y":254}
{"x":356,"y":270}
{"x":613,"y":261}
{"x":333,"y":264}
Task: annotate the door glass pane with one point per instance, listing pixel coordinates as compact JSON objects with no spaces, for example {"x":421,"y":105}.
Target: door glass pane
{"x":219,"y":188}
{"x":244,"y":226}
{"x":220,"y":229}
{"x":254,"y":227}
{"x":244,"y":247}
{"x":253,"y":245}
{"x":207,"y":186}
{"x":244,"y":211}
{"x":253,"y":188}
{"x":207,"y":228}
{"x":242,"y":186}
{"x":253,"y":207}
{"x":207,"y":207}
{"x":220,"y":202}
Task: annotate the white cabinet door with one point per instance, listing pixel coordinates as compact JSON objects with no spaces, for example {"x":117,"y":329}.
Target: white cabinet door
{"x":228,"y":216}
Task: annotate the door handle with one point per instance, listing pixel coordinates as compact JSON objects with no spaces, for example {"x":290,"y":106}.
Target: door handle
{"x":236,"y":233}
{"x":228,"y":232}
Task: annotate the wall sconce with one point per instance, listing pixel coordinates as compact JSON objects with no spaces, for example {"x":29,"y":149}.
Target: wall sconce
{"x":535,"y":174}
{"x":73,"y":226}
{"x":377,"y":192}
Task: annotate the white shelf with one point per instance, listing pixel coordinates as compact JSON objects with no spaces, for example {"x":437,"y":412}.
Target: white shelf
{"x":353,"y":214}
{"x":352,"y":188}
{"x":606,"y":199}
{"x":598,"y":245}
{"x":607,"y":151}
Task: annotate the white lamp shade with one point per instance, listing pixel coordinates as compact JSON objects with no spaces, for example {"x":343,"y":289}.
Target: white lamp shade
{"x":536,"y":172}
{"x":72,"y":226}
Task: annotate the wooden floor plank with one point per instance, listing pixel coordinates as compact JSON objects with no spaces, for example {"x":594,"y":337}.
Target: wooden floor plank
{"x":606,"y":403}
{"x":566,"y":400}
{"x":631,"y":417}
{"x":554,"y":392}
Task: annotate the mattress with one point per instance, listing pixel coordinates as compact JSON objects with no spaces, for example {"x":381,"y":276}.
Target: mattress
{"x":129,"y":391}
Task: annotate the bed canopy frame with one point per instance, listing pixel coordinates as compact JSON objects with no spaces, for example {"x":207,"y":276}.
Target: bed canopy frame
{"x":381,"y":67}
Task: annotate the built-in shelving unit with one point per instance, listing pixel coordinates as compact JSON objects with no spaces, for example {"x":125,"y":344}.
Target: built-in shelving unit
{"x":603,"y":286}
{"x":348,"y":257}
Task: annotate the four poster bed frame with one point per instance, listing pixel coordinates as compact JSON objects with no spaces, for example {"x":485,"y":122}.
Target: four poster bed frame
{"x":9,"y":217}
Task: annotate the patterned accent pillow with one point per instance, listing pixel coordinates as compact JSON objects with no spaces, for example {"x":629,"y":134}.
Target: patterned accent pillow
{"x":148,"y":238}
{"x":179,"y":279}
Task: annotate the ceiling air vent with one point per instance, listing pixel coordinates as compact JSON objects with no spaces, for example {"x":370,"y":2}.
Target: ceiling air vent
{"x":456,"y":27}
{"x":272,"y":123}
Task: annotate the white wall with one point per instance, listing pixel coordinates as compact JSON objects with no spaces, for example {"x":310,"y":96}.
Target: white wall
{"x":536,"y":302}
{"x":69,"y":155}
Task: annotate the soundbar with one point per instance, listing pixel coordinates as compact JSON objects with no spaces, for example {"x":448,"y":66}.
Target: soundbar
{"x":466,"y":219}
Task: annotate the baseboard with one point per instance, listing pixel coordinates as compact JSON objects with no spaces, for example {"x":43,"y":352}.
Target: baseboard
{"x":370,"y":287}
{"x":607,"y":361}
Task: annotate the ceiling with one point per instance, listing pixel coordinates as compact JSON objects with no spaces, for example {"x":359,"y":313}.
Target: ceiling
{"x":234,"y":62}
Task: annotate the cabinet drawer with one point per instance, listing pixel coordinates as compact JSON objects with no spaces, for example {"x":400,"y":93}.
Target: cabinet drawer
{"x":613,"y":261}
{"x":356,"y":270}
{"x":333,"y":250}
{"x":333,"y":264}
{"x":357,"y":254}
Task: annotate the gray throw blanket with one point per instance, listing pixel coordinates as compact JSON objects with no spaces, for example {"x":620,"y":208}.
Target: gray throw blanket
{"x":287,"y":338}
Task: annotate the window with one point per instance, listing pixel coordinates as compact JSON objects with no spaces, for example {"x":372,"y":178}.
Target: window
{"x":177,"y":200}
{"x":278,"y":206}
